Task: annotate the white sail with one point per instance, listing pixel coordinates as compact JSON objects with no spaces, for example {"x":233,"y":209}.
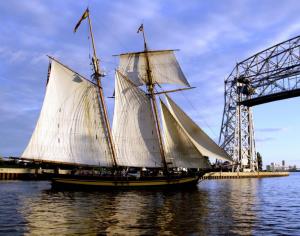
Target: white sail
{"x":134,"y":129}
{"x":164,"y":67}
{"x":201,"y":140}
{"x":69,"y":128}
{"x":180,"y":150}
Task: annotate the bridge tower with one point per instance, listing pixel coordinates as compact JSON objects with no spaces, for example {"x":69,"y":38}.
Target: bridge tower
{"x":237,"y":128}
{"x":270,"y":75}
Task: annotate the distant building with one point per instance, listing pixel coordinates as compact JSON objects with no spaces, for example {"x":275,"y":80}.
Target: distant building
{"x":291,"y":168}
{"x":272,"y":166}
{"x":281,"y":167}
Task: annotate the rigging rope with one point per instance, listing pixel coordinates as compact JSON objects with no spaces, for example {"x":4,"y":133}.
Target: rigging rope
{"x":192,"y":106}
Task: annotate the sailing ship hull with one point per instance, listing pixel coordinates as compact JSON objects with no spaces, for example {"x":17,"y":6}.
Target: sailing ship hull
{"x":109,"y":183}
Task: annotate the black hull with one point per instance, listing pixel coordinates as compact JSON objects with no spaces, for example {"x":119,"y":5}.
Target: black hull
{"x":98,"y":183}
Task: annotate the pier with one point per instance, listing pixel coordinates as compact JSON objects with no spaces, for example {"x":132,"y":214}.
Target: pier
{"x":238,"y":175}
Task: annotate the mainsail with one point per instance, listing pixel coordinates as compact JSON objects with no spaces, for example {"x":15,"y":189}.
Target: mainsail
{"x":180,"y":150}
{"x":70,"y":128}
{"x":205,"y":145}
{"x":164,"y":67}
{"x":134,"y":126}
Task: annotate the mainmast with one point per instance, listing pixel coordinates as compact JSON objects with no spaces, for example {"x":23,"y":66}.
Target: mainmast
{"x":97,"y":77}
{"x":150,"y":87}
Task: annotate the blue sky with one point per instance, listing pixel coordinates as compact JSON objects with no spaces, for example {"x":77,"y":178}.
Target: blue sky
{"x":211,"y":35}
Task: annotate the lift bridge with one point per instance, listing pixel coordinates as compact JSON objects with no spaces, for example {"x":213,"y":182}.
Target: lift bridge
{"x":270,"y":75}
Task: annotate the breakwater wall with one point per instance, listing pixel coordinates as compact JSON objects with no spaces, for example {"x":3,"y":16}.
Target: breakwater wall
{"x":238,"y":175}
{"x":18,"y":173}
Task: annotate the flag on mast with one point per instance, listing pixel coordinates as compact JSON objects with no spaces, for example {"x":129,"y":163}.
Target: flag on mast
{"x":141,"y":28}
{"x":84,"y":16}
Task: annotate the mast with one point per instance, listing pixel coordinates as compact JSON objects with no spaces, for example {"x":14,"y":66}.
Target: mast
{"x":150,"y":87}
{"x":97,"y":76}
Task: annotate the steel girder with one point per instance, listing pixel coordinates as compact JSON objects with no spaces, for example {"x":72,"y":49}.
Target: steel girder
{"x":270,"y":75}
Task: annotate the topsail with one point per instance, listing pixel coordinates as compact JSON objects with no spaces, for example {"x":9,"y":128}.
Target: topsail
{"x":164,"y":67}
{"x":70,"y":128}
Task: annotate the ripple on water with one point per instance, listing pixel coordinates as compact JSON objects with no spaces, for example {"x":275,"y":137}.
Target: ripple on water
{"x":216,"y":207}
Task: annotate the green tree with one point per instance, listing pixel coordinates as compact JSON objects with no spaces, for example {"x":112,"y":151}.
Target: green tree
{"x":259,"y":161}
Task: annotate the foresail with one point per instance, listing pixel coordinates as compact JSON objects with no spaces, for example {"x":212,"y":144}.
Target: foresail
{"x":164,"y":67}
{"x":180,"y":151}
{"x":133,"y":129}
{"x":201,"y":140}
{"x":69,"y":128}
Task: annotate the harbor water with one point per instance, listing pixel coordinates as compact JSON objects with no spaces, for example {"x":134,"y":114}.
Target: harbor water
{"x":256,"y":206}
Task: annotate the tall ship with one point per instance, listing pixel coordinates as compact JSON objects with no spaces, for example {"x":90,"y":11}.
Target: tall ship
{"x":152,"y":142}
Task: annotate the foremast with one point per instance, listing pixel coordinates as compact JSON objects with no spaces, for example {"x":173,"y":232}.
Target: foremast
{"x":150,"y":87}
{"x":102,"y":105}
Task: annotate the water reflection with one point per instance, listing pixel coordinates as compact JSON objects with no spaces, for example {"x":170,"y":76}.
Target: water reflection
{"x":119,"y":212}
{"x":241,"y":200}
{"x":230,"y":206}
{"x":146,"y":212}
{"x":215,"y":207}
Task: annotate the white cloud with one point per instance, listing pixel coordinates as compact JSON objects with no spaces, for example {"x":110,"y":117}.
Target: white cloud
{"x":270,"y":130}
{"x":263,"y":140}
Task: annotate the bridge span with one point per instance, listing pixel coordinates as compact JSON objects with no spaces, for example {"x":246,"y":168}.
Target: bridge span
{"x":270,"y":75}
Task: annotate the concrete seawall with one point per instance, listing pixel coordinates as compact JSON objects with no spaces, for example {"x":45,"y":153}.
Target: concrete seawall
{"x":17,"y":173}
{"x":26,"y":173}
{"x":237,"y":175}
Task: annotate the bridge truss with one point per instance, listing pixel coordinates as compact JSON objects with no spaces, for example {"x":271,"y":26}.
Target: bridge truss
{"x":270,"y":75}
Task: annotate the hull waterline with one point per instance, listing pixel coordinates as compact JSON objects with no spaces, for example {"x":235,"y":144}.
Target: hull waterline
{"x":104,"y":183}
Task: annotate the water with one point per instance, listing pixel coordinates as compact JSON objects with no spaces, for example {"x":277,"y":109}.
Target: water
{"x":269,"y":206}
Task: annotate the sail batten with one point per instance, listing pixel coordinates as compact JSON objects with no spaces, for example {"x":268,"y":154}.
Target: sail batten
{"x":69,"y":128}
{"x":134,"y":126}
{"x":164,"y":67}
{"x":201,"y":140}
